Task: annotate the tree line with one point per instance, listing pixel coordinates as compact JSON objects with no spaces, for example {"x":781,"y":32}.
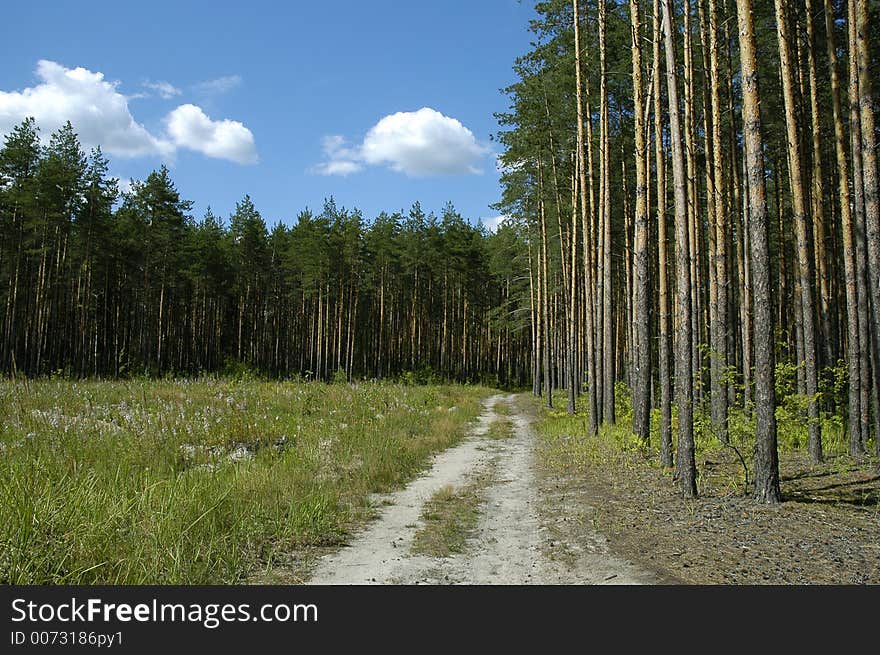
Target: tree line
{"x":695,"y":183}
{"x":94,"y":282}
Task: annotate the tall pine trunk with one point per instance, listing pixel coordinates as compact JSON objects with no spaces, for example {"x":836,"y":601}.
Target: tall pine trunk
{"x":686,"y":468}
{"x":662,"y":255}
{"x":605,"y":221}
{"x":805,"y":252}
{"x":586,"y":219}
{"x":848,"y":243}
{"x":872,"y":210}
{"x":718,"y":358}
{"x":766,"y":460}
{"x":642,"y":325}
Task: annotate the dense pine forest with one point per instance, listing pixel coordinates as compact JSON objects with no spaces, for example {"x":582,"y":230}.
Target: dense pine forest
{"x":696,"y":183}
{"x":692,"y":217}
{"x":101,"y":283}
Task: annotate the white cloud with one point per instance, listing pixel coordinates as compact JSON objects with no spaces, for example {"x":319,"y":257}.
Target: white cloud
{"x":340,"y":167}
{"x":166,"y":90}
{"x":341,"y":159}
{"x":494,"y":222}
{"x":98,"y":112}
{"x":101,"y":116}
{"x":424,"y":142}
{"x":123,"y":185}
{"x":189,"y":127}
{"x":218,"y":86}
{"x":420,"y":143}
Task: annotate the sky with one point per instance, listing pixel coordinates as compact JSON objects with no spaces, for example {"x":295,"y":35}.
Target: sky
{"x":377,"y":103}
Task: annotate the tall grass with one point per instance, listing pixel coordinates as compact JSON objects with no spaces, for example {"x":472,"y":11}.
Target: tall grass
{"x":138,"y":482}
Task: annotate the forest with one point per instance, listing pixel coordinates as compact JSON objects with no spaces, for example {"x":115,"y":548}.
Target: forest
{"x":696,"y":184}
{"x":101,"y":283}
{"x":692,"y":217}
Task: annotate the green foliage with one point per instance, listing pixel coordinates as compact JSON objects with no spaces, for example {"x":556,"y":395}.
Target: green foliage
{"x":834,"y":384}
{"x":786,"y":378}
{"x":198,"y":482}
{"x":239,"y":371}
{"x":422,"y":376}
{"x":623,"y":406}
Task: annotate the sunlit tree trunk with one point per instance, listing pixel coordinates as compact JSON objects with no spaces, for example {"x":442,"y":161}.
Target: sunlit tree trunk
{"x":859,"y":235}
{"x":642,"y":325}
{"x":766,"y":460}
{"x":586,"y":219}
{"x":662,"y":255}
{"x":720,"y":327}
{"x":818,"y":193}
{"x":605,"y":222}
{"x":804,"y":250}
{"x":686,"y":469}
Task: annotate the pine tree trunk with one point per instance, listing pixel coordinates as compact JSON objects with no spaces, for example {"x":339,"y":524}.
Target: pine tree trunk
{"x":686,"y":469}
{"x":586,"y":220}
{"x":805,"y":252}
{"x":859,"y":236}
{"x":694,"y":231}
{"x":571,"y":352}
{"x":720,"y":324}
{"x":872,"y":204}
{"x":662,"y":256}
{"x":746,"y":300}
{"x":605,"y":176}
{"x":545,"y":309}
{"x":818,"y":193}
{"x":642,"y":319}
{"x":535,"y":325}
{"x":766,"y":460}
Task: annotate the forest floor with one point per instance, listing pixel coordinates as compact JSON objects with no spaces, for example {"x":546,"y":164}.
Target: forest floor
{"x":826,"y":530}
{"x":508,"y":512}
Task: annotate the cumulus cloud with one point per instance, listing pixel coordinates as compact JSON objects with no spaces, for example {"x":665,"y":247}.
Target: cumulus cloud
{"x":218,"y":86}
{"x":424,"y":142}
{"x":494,"y":222}
{"x":341,"y":159}
{"x":419,"y":143}
{"x":123,"y":185}
{"x":94,"y":106}
{"x":189,"y":127}
{"x":166,"y":90}
{"x":101,"y":116}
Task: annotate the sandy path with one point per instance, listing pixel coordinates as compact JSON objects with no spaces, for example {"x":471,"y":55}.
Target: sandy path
{"x":512,"y":544}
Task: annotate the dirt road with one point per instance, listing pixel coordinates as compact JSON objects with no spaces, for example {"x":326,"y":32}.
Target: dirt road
{"x":515,"y":542}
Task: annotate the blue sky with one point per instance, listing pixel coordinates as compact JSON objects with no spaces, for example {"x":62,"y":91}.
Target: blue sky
{"x":376,"y":103}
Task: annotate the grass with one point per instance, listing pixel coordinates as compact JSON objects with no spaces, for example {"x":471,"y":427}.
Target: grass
{"x":450,"y":517}
{"x":502,"y":427}
{"x":203,"y":481}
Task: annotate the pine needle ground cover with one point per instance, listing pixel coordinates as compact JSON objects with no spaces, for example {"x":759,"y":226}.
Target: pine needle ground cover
{"x":204,"y":481}
{"x":826,"y":530}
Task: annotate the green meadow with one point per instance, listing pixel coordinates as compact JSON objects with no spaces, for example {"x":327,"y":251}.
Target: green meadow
{"x":203,"y":481}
